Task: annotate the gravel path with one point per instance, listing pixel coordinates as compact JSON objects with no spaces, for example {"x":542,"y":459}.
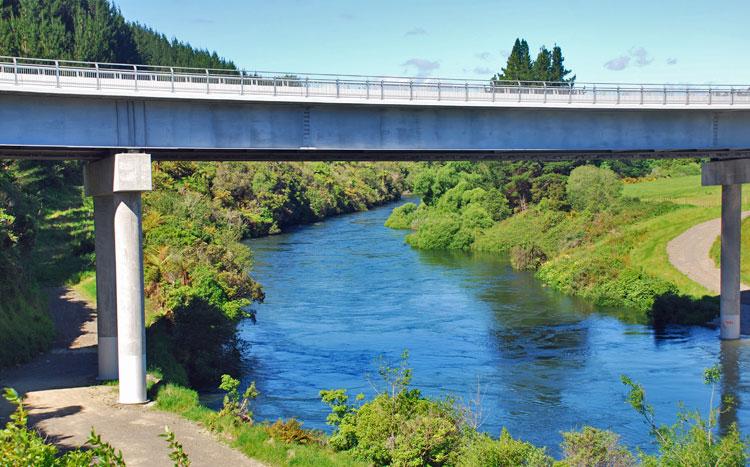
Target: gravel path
{"x":65,"y":402}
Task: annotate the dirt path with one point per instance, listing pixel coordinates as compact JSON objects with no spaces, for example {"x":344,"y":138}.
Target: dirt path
{"x":65,"y":402}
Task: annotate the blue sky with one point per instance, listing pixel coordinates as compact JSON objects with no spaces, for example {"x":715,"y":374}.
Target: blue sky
{"x":656,"y":41}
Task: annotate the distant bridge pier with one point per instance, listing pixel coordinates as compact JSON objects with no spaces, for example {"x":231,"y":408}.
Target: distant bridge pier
{"x":116,"y":183}
{"x":730,"y":174}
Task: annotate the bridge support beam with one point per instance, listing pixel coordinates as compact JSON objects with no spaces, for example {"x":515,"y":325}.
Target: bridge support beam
{"x":116,"y":183}
{"x":730,"y":174}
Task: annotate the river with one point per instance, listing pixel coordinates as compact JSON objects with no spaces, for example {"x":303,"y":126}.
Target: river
{"x":343,"y":292}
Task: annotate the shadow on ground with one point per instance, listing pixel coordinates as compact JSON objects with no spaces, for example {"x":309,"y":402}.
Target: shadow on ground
{"x":72,"y":362}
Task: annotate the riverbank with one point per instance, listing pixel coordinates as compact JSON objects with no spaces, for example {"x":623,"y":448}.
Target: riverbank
{"x":613,"y":255}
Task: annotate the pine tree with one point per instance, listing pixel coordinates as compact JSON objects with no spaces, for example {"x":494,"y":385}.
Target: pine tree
{"x":541,"y":70}
{"x":558,"y":72}
{"x":518,"y":67}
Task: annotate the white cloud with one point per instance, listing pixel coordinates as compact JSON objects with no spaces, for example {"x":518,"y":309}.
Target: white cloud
{"x":618,"y":63}
{"x":671,"y":61}
{"x":641,"y":56}
{"x":421,"y":66}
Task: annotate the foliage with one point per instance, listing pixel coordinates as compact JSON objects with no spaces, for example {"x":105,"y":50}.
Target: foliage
{"x":177,"y":453}
{"x":481,"y":449}
{"x":255,"y":440}
{"x":402,"y":216}
{"x":398,"y":426}
{"x":234,"y":405}
{"x":593,"y":188}
{"x":291,"y":431}
{"x":595,"y":448}
{"x":692,"y":440}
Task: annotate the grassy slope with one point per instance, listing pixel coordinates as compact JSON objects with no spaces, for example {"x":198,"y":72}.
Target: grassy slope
{"x":704,"y":203}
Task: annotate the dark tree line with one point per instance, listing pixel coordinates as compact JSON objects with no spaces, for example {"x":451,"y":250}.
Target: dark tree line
{"x":91,"y":30}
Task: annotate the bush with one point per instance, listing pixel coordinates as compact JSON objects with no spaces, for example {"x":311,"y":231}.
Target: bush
{"x":527,"y":256}
{"x":505,"y":451}
{"x":291,"y":431}
{"x":399,"y":426}
{"x":591,"y":447}
{"x":402,"y":217}
{"x":593,"y":188}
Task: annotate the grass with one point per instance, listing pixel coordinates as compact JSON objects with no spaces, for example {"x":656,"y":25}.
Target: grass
{"x":744,"y":252}
{"x":251,"y":439}
{"x":703,"y":204}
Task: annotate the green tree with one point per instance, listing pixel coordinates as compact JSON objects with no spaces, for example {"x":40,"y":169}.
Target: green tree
{"x":593,"y":188}
{"x":518,"y":67}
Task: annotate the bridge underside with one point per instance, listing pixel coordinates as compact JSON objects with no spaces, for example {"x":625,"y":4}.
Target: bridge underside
{"x":371,"y":155}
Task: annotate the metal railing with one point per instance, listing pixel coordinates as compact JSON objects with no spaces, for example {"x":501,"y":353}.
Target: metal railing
{"x":179,"y":80}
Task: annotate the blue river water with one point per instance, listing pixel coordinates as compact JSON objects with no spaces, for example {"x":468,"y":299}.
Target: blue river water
{"x":344,"y":292}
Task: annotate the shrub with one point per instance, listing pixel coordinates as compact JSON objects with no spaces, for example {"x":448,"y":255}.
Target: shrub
{"x":527,"y":256}
{"x":436,"y":232}
{"x":291,"y":431}
{"x":502,"y":452}
{"x":399,"y":426}
{"x":593,"y":188}
{"x":235,"y":406}
{"x":402,"y":216}
{"x":692,"y":440}
{"x":592,"y":447}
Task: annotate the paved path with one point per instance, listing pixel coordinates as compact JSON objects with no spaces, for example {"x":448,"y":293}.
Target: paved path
{"x":690,"y":253}
{"x":64,"y":400}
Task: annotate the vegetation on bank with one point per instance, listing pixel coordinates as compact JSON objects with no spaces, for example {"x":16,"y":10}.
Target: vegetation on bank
{"x":744,"y":251}
{"x":400,"y":426}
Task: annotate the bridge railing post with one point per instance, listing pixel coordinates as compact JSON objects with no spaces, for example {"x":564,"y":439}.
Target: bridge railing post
{"x":98,"y":84}
{"x":687,"y":95}
{"x":338,"y":88}
{"x":493,"y":92}
{"x":411,"y":89}
{"x":731,"y":95}
{"x":519,"y":91}
{"x":15,"y":71}
{"x":664,"y":102}
{"x":641,"y":95}
{"x":171,"y":77}
{"x":618,"y":94}
{"x":466,"y":87}
{"x":440,"y":91}
{"x":208,"y":80}
{"x":570,"y":94}
{"x":57,"y":73}
{"x":135,"y":77}
{"x":594,"y":94}
{"x":710,"y":95}
{"x":544,"y":84}
{"x":367,"y":89}
{"x":274,"y":86}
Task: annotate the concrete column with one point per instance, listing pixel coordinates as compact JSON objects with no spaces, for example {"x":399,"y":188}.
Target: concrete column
{"x":106,"y":297}
{"x":131,"y":329}
{"x":731,"y":210}
{"x":116,"y":182}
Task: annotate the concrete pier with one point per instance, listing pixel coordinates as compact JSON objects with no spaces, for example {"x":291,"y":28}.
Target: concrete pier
{"x":730,"y":174}
{"x":731,"y":211}
{"x":106,"y":297}
{"x":116,"y":183}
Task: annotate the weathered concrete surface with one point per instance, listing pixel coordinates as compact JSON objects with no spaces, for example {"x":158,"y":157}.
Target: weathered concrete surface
{"x":182,"y":128}
{"x":689,"y":252}
{"x":731,"y":220}
{"x":65,"y":402}
{"x":728,"y":172}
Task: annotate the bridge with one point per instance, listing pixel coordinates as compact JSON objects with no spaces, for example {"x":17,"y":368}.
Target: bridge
{"x":120,"y":117}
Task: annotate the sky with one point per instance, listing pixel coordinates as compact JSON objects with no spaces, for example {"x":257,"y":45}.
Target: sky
{"x":627,"y":41}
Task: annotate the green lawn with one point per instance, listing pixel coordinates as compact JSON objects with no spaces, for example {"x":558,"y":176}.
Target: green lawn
{"x":704,"y":203}
{"x":744,"y":252}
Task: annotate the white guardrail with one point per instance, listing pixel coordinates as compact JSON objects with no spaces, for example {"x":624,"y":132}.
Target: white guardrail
{"x":122,"y":77}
